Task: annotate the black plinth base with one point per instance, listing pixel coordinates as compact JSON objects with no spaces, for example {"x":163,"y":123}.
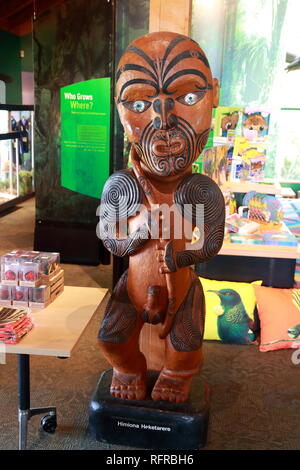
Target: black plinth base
{"x":149,"y":424}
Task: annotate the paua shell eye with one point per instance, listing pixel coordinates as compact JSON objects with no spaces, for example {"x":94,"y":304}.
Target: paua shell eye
{"x":191,"y":98}
{"x":138,"y":106}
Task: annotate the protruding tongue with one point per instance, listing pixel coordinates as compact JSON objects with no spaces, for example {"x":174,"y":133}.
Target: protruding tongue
{"x":175,"y":146}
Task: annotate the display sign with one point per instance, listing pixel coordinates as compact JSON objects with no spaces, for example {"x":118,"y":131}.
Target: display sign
{"x":85,"y":136}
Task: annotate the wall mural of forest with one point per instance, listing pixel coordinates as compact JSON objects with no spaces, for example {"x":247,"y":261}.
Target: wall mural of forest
{"x":254,"y":38}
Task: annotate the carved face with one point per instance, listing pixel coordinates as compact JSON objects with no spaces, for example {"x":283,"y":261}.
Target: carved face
{"x":165,"y":95}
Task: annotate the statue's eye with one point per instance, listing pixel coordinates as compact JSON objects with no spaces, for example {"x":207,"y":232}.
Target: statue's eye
{"x":228,"y":125}
{"x":191,"y":98}
{"x":250,"y":128}
{"x":261,"y":128}
{"x":138,"y":106}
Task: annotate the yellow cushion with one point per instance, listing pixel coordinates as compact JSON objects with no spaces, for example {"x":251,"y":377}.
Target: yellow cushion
{"x":239,"y":302}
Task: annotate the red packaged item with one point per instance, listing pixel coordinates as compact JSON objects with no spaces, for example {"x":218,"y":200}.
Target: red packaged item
{"x":9,"y":273}
{"x":30,"y":273}
{"x":19,"y":296}
{"x":14,"y":324}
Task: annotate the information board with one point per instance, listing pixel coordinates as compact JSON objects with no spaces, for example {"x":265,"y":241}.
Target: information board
{"x":85,"y":136}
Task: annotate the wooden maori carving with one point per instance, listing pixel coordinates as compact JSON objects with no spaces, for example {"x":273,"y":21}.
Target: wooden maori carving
{"x":165,"y":94}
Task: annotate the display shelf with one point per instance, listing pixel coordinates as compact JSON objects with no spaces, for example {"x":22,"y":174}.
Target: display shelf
{"x":281,"y":249}
{"x":263,"y":251}
{"x":240,"y":187}
{"x":288,"y":192}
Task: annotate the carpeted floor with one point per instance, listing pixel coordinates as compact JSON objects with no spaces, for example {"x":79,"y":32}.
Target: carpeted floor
{"x":255,"y":396}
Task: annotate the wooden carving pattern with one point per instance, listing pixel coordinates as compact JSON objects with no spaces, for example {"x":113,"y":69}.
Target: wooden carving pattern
{"x":122,"y":195}
{"x":165,"y":94}
{"x":188,"y":326}
{"x":200,"y":189}
{"x":124,"y":246}
{"x":120,"y":316}
{"x":121,"y":199}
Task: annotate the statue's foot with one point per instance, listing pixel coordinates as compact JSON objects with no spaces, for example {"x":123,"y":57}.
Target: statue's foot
{"x":173,"y":385}
{"x":129,"y":386}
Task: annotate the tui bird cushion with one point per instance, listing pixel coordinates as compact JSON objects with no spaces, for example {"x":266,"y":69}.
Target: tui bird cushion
{"x":229,"y":311}
{"x":279,"y":313}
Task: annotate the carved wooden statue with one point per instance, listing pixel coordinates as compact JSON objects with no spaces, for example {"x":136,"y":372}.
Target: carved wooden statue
{"x":165,"y":95}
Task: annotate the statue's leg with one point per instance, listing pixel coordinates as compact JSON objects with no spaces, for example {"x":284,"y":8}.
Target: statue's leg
{"x":183,"y":348}
{"x":119,"y":343}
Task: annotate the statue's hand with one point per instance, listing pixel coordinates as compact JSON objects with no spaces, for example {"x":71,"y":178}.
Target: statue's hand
{"x":164,"y":255}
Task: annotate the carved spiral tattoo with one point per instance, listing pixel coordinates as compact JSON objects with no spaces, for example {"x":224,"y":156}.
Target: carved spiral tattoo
{"x":121,"y":197}
{"x":127,"y":246}
{"x":199,"y":189}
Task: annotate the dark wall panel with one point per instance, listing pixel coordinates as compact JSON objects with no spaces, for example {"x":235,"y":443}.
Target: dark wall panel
{"x":72,"y":43}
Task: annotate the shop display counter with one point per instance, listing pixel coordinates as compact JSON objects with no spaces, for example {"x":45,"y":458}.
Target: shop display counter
{"x":245,"y":258}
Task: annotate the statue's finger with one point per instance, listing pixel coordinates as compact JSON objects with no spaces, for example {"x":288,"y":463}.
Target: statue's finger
{"x":164,"y":270}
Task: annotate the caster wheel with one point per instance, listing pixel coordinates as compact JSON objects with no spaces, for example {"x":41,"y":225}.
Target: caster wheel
{"x":48,"y":423}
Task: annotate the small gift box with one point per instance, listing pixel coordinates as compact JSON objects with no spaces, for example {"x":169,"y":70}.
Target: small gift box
{"x":30,"y":273}
{"x":19,"y":296}
{"x":9,"y":270}
{"x":49,"y":262}
{"x":39,"y":297}
{"x":5,"y":295}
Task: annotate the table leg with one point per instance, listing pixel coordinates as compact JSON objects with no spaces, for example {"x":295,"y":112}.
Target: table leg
{"x":24,"y":398}
{"x":25,"y":412}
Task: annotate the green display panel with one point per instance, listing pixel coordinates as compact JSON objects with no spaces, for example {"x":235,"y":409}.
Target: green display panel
{"x":85,"y":136}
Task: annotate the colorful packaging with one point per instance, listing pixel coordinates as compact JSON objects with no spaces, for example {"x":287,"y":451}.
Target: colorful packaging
{"x":250,"y":157}
{"x":255,"y":124}
{"x":49,"y":262}
{"x":226,"y":123}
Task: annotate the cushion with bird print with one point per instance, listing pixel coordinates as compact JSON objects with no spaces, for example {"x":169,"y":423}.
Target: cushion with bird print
{"x":230,"y":310}
{"x":279,"y":313}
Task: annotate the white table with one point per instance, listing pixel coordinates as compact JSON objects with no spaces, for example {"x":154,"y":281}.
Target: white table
{"x":57,"y":329}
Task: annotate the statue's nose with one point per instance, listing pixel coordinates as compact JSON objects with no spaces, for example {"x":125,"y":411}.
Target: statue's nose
{"x":164,"y":119}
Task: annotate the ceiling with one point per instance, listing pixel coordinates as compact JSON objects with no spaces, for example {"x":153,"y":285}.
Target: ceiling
{"x":16,"y":16}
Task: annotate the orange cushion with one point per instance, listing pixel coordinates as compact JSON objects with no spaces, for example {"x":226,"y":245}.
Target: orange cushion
{"x":279,"y":313}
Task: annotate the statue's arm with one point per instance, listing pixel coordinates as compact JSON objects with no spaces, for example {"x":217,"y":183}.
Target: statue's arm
{"x":123,"y":246}
{"x":213,"y":240}
{"x":121,"y":200}
{"x":193,"y":191}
